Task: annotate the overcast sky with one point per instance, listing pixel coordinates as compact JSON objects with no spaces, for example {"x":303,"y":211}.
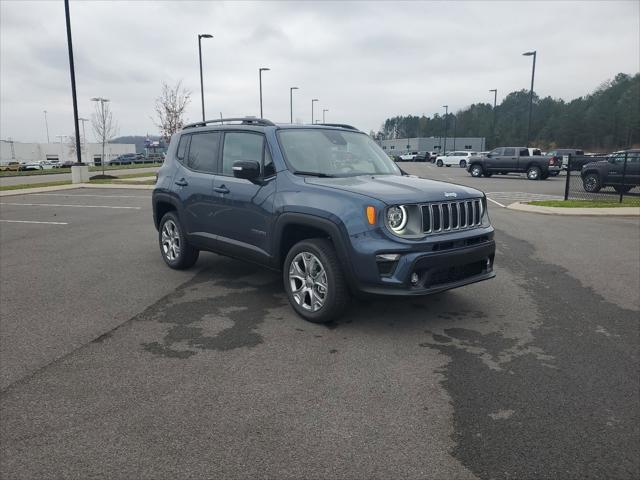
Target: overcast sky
{"x":364,"y":61}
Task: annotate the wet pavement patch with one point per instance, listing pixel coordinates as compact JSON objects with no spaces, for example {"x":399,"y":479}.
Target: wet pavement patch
{"x":198,"y":320}
{"x":566,"y":405}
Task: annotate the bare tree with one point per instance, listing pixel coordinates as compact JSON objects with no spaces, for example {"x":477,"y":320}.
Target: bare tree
{"x":170,"y":107}
{"x":104,"y":126}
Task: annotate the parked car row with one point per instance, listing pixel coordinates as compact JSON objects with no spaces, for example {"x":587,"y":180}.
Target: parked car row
{"x":415,"y":157}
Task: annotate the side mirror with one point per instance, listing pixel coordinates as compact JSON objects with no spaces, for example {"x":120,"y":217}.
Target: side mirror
{"x":488,"y":155}
{"x":246,"y":169}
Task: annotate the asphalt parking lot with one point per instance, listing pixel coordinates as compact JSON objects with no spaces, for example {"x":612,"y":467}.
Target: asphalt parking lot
{"x":114,"y":366}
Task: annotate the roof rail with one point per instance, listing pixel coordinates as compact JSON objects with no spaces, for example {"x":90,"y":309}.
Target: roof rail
{"x":340,"y":125}
{"x":245,"y":121}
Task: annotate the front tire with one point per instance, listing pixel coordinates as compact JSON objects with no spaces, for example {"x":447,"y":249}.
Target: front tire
{"x":533,"y":173}
{"x":592,"y":183}
{"x":174,"y":246}
{"x":476,"y":171}
{"x":439,"y":163}
{"x":314,"y":281}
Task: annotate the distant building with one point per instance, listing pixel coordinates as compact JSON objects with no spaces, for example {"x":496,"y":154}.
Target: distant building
{"x":399,"y":146}
{"x":11,"y":151}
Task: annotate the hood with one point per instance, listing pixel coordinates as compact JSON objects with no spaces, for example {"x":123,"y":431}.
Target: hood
{"x":395,"y":189}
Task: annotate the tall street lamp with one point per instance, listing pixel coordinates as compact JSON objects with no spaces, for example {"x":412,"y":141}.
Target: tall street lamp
{"x":324,"y":110}
{"x":533,"y":73}
{"x":103,"y":122}
{"x":291,"y":89}
{"x":455,"y":123}
{"x":200,"y":37}
{"x":46,"y":124}
{"x":312,"y":102}
{"x":493,"y":123}
{"x":72,"y":72}
{"x":260,"y":70}
{"x":446,"y":118}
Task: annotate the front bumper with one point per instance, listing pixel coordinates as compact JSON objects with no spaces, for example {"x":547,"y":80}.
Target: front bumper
{"x":442,"y":263}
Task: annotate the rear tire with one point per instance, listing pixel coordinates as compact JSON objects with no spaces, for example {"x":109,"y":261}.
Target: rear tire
{"x":476,"y":171}
{"x":314,"y":281}
{"x":463,"y":164}
{"x":533,"y":173}
{"x":174,"y":246}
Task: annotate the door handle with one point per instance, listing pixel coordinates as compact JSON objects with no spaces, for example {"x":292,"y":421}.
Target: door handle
{"x":182,"y":182}
{"x":221,"y":189}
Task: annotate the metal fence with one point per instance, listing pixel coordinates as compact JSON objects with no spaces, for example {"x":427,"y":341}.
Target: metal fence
{"x":610,"y":178}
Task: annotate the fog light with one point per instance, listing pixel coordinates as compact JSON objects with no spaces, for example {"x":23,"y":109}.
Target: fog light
{"x":414,"y":278}
{"x":488,"y":264}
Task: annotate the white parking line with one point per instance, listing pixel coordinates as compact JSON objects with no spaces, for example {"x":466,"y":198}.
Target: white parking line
{"x":85,"y":195}
{"x":63,"y":205}
{"x":33,"y":221}
{"x":497,"y":203}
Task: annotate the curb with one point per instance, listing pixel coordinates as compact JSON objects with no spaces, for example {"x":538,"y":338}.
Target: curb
{"x":23,"y":191}
{"x":580,"y":212}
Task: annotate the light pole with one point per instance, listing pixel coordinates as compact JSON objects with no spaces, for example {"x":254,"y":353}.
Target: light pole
{"x":103,"y":122}
{"x":46,"y":124}
{"x":260,"y":70}
{"x":455,"y":124}
{"x":200,"y":37}
{"x":324,"y":110}
{"x":291,"y":89}
{"x":446,"y":118}
{"x":312,"y":102}
{"x":533,"y":73}
{"x":72,"y":72}
{"x":493,"y":123}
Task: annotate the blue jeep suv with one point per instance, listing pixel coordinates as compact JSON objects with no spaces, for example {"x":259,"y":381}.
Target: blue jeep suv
{"x":324,"y":205}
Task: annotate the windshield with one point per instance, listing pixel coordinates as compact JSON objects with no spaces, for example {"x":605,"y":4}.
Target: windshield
{"x":334,"y":153}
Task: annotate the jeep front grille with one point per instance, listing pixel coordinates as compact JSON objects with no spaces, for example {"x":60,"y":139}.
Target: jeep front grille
{"x":449,"y":216}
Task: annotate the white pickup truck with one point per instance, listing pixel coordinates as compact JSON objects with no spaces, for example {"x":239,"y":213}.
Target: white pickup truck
{"x":409,"y":156}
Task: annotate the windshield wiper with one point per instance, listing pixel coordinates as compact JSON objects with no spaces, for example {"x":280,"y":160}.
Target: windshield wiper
{"x":313,"y":174}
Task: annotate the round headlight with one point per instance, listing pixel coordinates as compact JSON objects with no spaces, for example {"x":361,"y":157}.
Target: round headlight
{"x":397,"y":218}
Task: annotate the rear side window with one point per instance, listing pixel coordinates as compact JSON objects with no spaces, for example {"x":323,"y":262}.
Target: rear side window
{"x":183,"y":148}
{"x":241,"y":146}
{"x":203,"y":152}
{"x":524,"y":152}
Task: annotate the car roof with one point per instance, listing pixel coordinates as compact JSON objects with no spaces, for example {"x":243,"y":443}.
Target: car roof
{"x":259,"y":124}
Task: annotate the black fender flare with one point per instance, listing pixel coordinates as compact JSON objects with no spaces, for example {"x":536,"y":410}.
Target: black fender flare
{"x":337,"y":233}
{"x":164,"y":197}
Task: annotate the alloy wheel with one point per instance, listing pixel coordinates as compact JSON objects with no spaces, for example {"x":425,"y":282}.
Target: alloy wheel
{"x":170,"y":240}
{"x":308,"y":281}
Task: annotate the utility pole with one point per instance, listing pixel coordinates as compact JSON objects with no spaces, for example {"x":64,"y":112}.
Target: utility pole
{"x":260,"y":70}
{"x":312,"y":102}
{"x":73,"y":81}
{"x":446,"y":118}
{"x":46,"y":124}
{"x":291,"y":89}
{"x":533,"y":74}
{"x":200,"y":37}
{"x":493,"y":124}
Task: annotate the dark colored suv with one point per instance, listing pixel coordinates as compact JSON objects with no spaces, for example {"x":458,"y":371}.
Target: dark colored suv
{"x":324,"y":205}
{"x":621,"y":170}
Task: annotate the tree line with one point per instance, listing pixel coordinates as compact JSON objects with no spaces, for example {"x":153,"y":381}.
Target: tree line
{"x":605,"y":120}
